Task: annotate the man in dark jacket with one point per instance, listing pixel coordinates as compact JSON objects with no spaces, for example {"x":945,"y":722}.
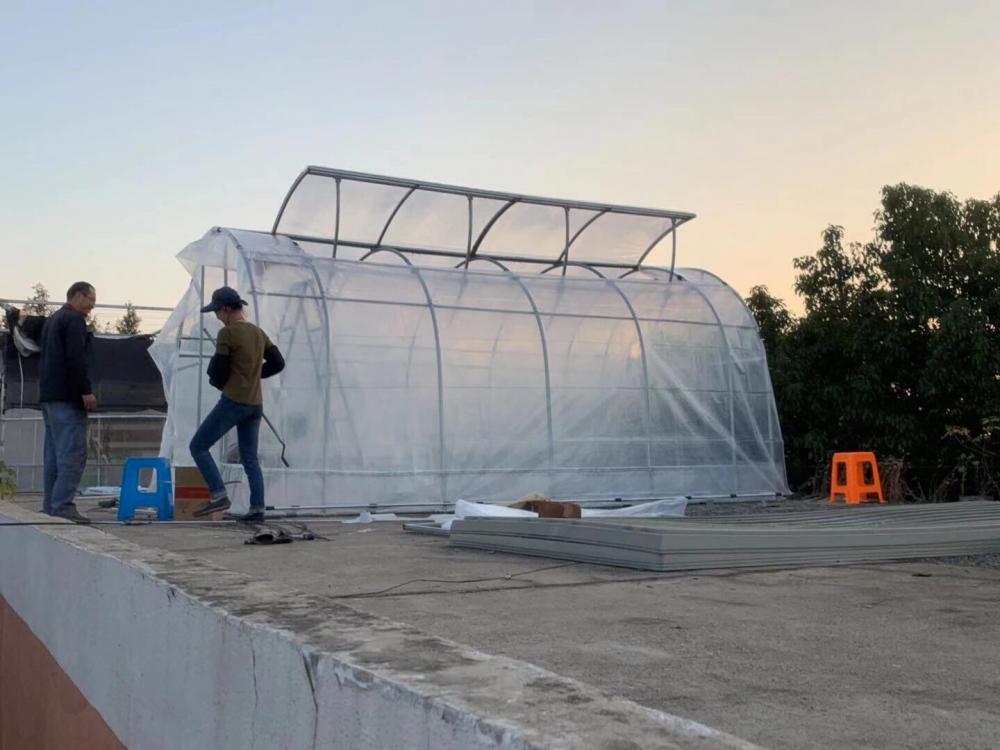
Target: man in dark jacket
{"x":66,"y":397}
{"x":243,"y":355}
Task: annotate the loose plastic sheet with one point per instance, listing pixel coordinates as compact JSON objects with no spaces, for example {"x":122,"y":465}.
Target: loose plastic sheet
{"x":668,"y":507}
{"x":410,"y":385}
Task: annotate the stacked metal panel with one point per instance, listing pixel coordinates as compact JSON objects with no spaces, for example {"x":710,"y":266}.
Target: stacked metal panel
{"x":762,"y":540}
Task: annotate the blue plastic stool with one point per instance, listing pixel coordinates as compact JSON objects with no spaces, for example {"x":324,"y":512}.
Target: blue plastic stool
{"x":161,"y":498}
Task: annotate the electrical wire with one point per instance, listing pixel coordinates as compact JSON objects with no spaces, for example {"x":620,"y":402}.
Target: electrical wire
{"x":300,"y":531}
{"x":508,"y":577}
{"x":70,"y":524}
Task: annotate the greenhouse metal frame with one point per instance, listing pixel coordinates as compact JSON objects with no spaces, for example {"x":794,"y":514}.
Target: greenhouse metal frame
{"x":570,"y":367}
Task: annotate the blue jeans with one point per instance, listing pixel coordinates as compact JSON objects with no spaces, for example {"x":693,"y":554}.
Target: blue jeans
{"x":65,"y":453}
{"x":246,"y":419}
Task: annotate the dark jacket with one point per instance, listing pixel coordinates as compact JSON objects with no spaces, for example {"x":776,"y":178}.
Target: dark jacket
{"x":62,"y":369}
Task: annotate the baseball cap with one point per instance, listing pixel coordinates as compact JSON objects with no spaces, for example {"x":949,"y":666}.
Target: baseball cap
{"x":224,"y":296}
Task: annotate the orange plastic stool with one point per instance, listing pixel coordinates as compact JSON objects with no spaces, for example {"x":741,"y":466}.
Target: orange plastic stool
{"x":854,"y":479}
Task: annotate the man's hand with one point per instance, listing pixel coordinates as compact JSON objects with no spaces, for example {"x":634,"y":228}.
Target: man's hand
{"x":90,"y":402}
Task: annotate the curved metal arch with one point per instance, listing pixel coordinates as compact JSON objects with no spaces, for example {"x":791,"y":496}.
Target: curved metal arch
{"x":568,"y":241}
{"x":743,"y":302}
{"x":253,"y":293}
{"x":288,"y":197}
{"x":256,"y":311}
{"x":336,"y":224}
{"x":201,"y":340}
{"x":564,"y":255}
{"x":392,"y":250}
{"x":395,"y":211}
{"x":631,"y":271}
{"x":672,"y":229}
{"x":729,"y":379}
{"x":440,"y":363}
{"x":545,"y":363}
{"x":575,"y":265}
{"x":331,"y":363}
{"x":489,"y":225}
{"x":250,"y":277}
{"x":648,"y":412}
{"x":494,"y":261}
{"x":733,"y":363}
{"x":440,"y":381}
{"x":284,"y":318}
{"x":763,"y":352}
{"x":545,"y":348}
{"x":468,"y":234}
{"x":321,"y":292}
{"x":722,"y":282}
{"x":715,"y":276}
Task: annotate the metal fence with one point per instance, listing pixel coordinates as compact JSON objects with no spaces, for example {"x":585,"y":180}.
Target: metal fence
{"x":111,"y":438}
{"x":151,"y":318}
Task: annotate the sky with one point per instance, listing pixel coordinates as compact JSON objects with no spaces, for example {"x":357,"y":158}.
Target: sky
{"x":129,"y":129}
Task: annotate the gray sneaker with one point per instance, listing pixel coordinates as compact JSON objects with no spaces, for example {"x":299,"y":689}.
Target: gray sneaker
{"x":213,"y":507}
{"x":70,"y":513}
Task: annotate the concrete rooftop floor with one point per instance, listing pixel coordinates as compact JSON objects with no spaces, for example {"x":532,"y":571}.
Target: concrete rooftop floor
{"x":898,"y":655}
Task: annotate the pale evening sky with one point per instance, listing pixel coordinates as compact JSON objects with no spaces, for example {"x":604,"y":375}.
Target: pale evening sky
{"x":131,"y":128}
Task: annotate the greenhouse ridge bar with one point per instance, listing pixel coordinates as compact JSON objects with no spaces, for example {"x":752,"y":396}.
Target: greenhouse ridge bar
{"x":415,"y":378}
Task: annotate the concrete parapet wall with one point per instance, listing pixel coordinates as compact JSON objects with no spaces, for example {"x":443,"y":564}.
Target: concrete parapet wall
{"x":176,"y":653}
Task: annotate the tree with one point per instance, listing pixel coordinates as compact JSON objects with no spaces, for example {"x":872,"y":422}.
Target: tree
{"x":772,"y":316}
{"x":898,"y":347}
{"x":129,"y":322}
{"x":38,"y":303}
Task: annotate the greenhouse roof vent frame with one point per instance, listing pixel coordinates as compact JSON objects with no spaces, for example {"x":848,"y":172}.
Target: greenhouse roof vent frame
{"x":366,"y":212}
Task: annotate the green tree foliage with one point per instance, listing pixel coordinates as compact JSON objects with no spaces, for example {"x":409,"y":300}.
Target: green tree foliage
{"x":898,"y":350}
{"x":38,"y":303}
{"x":129,"y":322}
{"x":772,"y":316}
{"x":8,"y":481}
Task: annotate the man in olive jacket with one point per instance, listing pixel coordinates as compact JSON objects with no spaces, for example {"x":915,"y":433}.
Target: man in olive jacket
{"x":243,"y":355}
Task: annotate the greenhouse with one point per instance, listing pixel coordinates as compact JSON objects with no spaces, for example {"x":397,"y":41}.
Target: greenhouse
{"x":446,"y":343}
